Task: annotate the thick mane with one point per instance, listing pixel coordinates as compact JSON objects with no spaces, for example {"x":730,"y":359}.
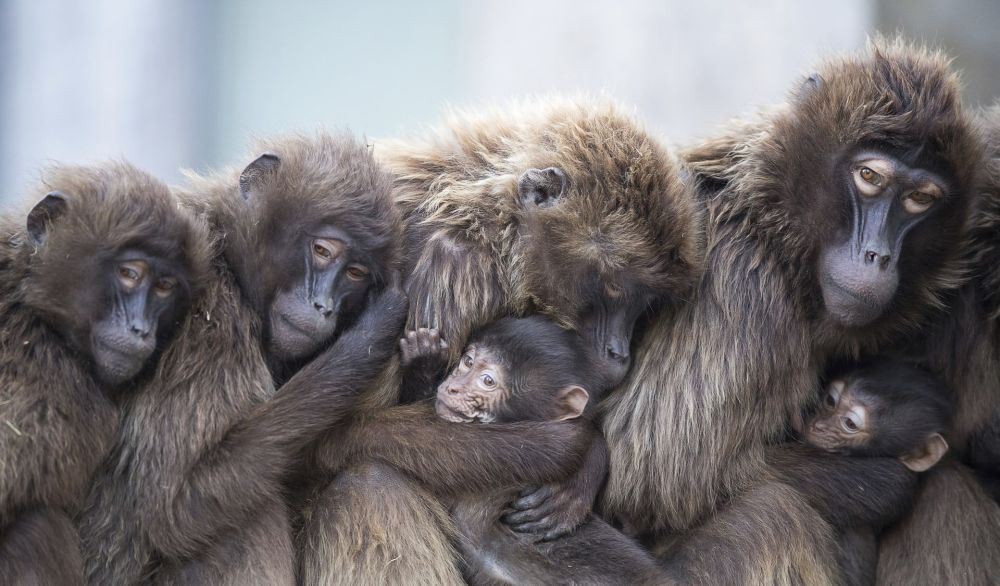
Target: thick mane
{"x":626,"y":209}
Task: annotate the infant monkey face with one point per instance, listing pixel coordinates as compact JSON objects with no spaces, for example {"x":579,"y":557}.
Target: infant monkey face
{"x":475,"y":390}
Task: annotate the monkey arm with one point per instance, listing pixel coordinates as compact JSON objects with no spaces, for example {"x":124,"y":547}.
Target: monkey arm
{"x":452,"y":458}
{"x":846,"y":491}
{"x":224,"y":486}
{"x":558,"y":508}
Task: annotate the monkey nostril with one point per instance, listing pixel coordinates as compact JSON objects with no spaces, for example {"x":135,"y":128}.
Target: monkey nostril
{"x":870,"y":256}
{"x":138,"y":331}
{"x":616,"y":354}
{"x":322,"y":309}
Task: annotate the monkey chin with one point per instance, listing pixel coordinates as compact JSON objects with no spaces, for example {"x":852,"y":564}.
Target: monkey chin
{"x":448,"y":414}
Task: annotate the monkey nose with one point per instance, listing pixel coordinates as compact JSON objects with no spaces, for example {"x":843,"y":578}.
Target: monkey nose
{"x":140,"y":329}
{"x":324,"y":309}
{"x":617,"y":350}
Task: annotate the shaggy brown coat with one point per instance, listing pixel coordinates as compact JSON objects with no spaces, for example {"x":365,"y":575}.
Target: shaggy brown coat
{"x":627,"y":222}
{"x":714,"y":383}
{"x":57,"y":420}
{"x":192,"y":491}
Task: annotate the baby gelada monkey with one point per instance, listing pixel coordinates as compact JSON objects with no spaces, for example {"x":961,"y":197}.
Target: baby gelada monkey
{"x":516,"y":369}
{"x":886,"y":409}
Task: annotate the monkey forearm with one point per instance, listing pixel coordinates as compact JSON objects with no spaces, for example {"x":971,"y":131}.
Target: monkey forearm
{"x":846,"y":491}
{"x":458,"y":457}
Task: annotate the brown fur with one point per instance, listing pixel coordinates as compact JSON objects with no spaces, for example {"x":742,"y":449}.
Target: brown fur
{"x":192,"y":492}
{"x":952,"y":536}
{"x":715,"y":382}
{"x":475,"y":255}
{"x":57,"y":420}
{"x":627,"y":215}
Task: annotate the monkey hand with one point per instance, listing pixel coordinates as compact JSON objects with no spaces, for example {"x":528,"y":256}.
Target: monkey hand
{"x":381,"y":321}
{"x":555,"y":509}
{"x":423,"y":347}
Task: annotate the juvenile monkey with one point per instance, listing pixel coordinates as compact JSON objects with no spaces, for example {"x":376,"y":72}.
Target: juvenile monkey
{"x":519,"y":370}
{"x":890,"y":410}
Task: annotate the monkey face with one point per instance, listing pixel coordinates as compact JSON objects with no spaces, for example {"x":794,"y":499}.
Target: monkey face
{"x":843,"y":423}
{"x":304,"y":316}
{"x":476,"y":390}
{"x":888,"y":198}
{"x":144,"y":293}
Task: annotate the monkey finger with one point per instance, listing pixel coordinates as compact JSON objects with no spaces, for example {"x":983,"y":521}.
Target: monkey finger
{"x":532,"y":499}
{"x":540,"y":526}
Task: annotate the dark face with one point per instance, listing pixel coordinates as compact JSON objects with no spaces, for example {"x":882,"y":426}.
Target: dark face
{"x":607,"y":325}
{"x":143,"y":296}
{"x":304,"y":314}
{"x":844,"y":422}
{"x":859,"y":274}
{"x":476,"y":390}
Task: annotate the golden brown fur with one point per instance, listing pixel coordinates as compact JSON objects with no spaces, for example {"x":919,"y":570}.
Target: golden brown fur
{"x":475,"y":254}
{"x":627,"y":215}
{"x":715,"y":382}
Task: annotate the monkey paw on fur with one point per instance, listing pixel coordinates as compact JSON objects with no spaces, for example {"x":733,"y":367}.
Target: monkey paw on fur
{"x":423,"y":344}
{"x":550,"y":511}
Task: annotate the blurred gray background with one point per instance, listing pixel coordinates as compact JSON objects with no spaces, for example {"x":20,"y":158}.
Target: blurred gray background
{"x":186,"y":83}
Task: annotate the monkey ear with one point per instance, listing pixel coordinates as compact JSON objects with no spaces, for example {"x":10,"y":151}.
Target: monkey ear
{"x":925,"y":456}
{"x":572,"y":402}
{"x":44,"y":213}
{"x":541,"y":187}
{"x":257,"y":173}
{"x":813,"y":82}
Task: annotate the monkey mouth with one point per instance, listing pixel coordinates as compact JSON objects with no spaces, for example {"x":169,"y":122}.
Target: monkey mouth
{"x":451,"y":415}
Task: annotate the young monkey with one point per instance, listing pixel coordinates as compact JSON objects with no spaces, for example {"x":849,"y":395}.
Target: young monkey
{"x":516,"y":370}
{"x":889,"y":410}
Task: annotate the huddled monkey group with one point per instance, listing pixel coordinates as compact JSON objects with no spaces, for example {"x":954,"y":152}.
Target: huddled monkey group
{"x":536,"y":345}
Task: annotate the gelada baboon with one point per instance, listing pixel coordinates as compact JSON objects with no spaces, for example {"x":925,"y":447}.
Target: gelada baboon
{"x":91,"y":286}
{"x":834,"y":226}
{"x":565,"y":207}
{"x":192,"y":493}
{"x":952,"y":536}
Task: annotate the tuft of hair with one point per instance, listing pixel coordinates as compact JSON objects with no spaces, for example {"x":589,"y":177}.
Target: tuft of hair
{"x":110,"y":207}
{"x":912,"y":399}
{"x":541,"y":358}
{"x":323,"y":178}
{"x":626,"y":217}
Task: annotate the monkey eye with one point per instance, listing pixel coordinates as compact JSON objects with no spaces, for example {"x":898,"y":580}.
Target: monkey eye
{"x":132,"y":273}
{"x":165,"y":287}
{"x":868,"y":181}
{"x":916,"y":202}
{"x":467,"y":361}
{"x":324,"y":250}
{"x":488,"y":381}
{"x":830,"y":400}
{"x":357,"y":273}
{"x":850,"y":425}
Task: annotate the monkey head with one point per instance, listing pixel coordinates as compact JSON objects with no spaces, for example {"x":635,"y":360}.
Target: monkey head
{"x":313,"y":232}
{"x":608,"y":230}
{"x":885,"y":410}
{"x":114,"y":264}
{"x":867,"y":176}
{"x":526,"y":369}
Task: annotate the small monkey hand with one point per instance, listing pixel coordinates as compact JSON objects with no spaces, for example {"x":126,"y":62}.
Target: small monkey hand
{"x":555,"y":509}
{"x":423,"y":345}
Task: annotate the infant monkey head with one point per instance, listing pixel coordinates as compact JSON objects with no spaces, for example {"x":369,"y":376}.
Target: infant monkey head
{"x":519,"y":369}
{"x":887,"y":409}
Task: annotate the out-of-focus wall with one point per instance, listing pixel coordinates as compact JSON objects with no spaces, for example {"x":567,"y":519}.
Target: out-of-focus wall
{"x":84,"y":81}
{"x":686,"y":66}
{"x":183,"y":83}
